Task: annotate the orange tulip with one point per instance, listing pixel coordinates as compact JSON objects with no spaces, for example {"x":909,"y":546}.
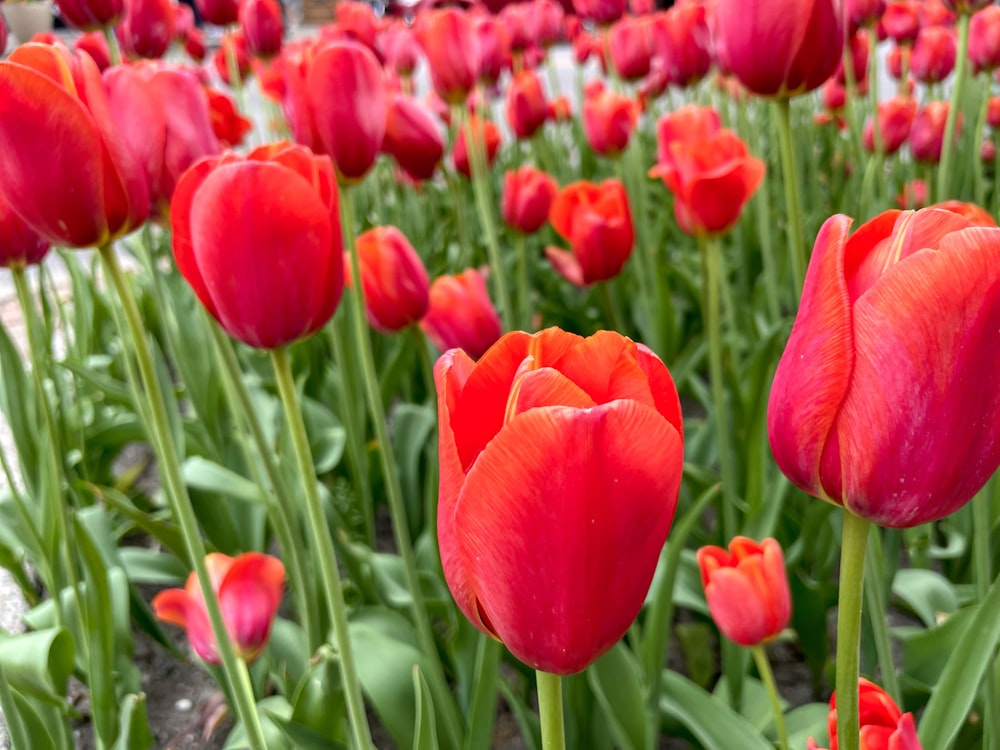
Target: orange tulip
{"x":394,"y":279}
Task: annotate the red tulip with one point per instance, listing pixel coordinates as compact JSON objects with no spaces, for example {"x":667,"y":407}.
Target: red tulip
{"x":863,"y":13}
{"x":561,"y":461}
{"x":528,"y":194}
{"x":708,"y":169}
{"x":895,"y":119}
{"x":162,"y":113}
{"x":66,"y":171}
{"x":514,"y":19}
{"x":232,"y":46}
{"x":993,"y":112}
{"x":927,"y":133}
{"x":229,"y":126}
{"x":596,"y":221}
{"x":803,"y":40}
{"x":485,"y":129}
{"x":249,"y":589}
{"x":394,"y":279}
{"x":194,"y":45}
{"x":492,"y":44}
{"x":347,"y":99}
{"x":934,"y":53}
{"x":681,"y":39}
{"x":894,"y":61}
{"x":935,"y":13}
{"x":218,"y":12}
{"x":95,"y":44}
{"x":184,"y":22}
{"x":987,"y":152}
{"x":901,"y":21}
{"x":746,"y":589}
{"x":882,"y":401}
{"x":262,"y":26}
{"x":413,"y":137}
{"x":966,"y":7}
{"x":461,"y":315}
{"x":258,"y":238}
{"x":147,"y":29}
{"x":608,"y":120}
{"x":984,"y":39}
{"x":400,"y":49}
{"x":883,"y":725}
{"x":527,"y":109}
{"x":600,"y":12}
{"x":3,"y":34}
{"x":914,"y":195}
{"x":546,"y":21}
{"x":90,"y":15}
{"x":976,"y":216}
{"x":630,"y":43}
{"x":20,"y":245}
{"x":448,"y":39}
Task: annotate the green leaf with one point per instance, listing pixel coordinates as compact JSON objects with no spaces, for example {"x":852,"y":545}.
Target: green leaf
{"x":711,"y":722}
{"x":616,"y":679}
{"x":805,"y":722}
{"x":928,"y":593}
{"x":164,"y":532}
{"x":425,"y":731}
{"x":39,"y":663}
{"x":202,"y":474}
{"x":318,"y":703}
{"x":133,"y":729}
{"x":144,"y":565}
{"x":956,"y":690}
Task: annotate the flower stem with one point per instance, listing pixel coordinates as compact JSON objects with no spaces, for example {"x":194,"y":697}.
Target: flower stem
{"x":983,"y":573}
{"x":793,"y":226}
{"x":170,"y":470}
{"x":523,"y":283}
{"x":762,"y":207}
{"x":323,"y":547}
{"x":852,"y":572}
{"x":977,"y":161}
{"x":948,"y":144}
{"x":767,"y":677}
{"x":390,"y":471}
{"x":113,"y":49}
{"x":550,"y":711}
{"x":875,"y":601}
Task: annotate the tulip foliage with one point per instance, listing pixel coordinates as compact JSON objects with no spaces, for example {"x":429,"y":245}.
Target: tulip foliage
{"x":453,"y":377}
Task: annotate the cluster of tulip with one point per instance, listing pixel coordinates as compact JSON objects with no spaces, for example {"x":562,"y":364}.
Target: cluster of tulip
{"x":300,"y":188}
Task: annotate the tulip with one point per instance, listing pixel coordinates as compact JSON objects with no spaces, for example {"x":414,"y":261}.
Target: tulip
{"x":394,"y":279}
{"x":229,"y":216}
{"x":20,"y":245}
{"x":65,"y":169}
{"x":546,"y":22}
{"x":184,"y":21}
{"x":976,"y":216}
{"x":901,"y":21}
{"x":862,"y":13}
{"x":3,"y":35}
{"x":966,"y":7}
{"x":95,"y":44}
{"x":90,"y":15}
{"x":528,"y":194}
{"x":608,"y":120}
{"x":249,"y":589}
{"x":412,"y":137}
{"x":229,"y":126}
{"x":347,"y":98}
{"x":984,"y":40}
{"x":881,"y":401}
{"x":527,"y":109}
{"x":461,"y":315}
{"x":452,"y":55}
{"x":147,"y":29}
{"x":490,"y":134}
{"x":560,"y":466}
{"x":707,"y":168}
{"x":803,"y":40}
{"x":262,"y":26}
{"x":218,"y":12}
{"x":746,"y":589}
{"x":233,"y":46}
{"x":682,"y":40}
{"x":934,"y":53}
{"x":993,"y":112}
{"x":914,"y":195}
{"x":194,"y":45}
{"x":927,"y":133}
{"x":883,"y":725}
{"x":895,"y":119}
{"x":600,"y":12}
{"x":162,"y":113}
{"x":935,"y":13}
{"x":492,"y":44}
{"x":895,"y":59}
{"x":630,"y":43}
{"x":400,"y":49}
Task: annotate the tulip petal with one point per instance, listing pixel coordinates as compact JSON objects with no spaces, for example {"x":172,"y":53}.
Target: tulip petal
{"x":180,"y":215}
{"x":735,"y":603}
{"x":249,"y":597}
{"x":566,"y":265}
{"x":171,"y":605}
{"x":546,"y":387}
{"x":717,"y":199}
{"x":551,"y":546}
{"x":925,"y":337}
{"x":662,"y":386}
{"x":822,"y":338}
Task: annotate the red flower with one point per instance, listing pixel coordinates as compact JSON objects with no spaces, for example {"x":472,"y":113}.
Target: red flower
{"x":596,"y":221}
{"x":528,"y":194}
{"x":20,"y":245}
{"x":527,"y":108}
{"x":708,"y":169}
{"x":601,"y":12}
{"x":95,"y":44}
{"x":147,"y":29}
{"x":630,"y":43}
{"x":895,"y":120}
{"x":229,"y":126}
{"x":218,"y":12}
{"x":682,"y":41}
{"x":460,"y":314}
{"x":927,"y":133}
{"x":90,"y":15}
{"x":608,"y":120}
{"x":162,"y":113}
{"x":233,"y":44}
{"x":486,"y":130}
{"x":347,"y":99}
{"x":262,"y":26}
{"x":493,"y":45}
{"x":746,"y":589}
{"x":65,"y":168}
{"x":882,"y":401}
{"x":258,"y":238}
{"x":249,"y":589}
{"x":394,"y":279}
{"x":803,"y":40}
{"x":901,"y":21}
{"x":560,"y":466}
{"x":934,"y":54}
{"x":413,"y":137}
{"x":883,"y":725}
{"x":448,"y":39}
{"x":984,"y":39}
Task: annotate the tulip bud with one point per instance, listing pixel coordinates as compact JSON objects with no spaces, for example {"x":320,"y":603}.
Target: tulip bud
{"x":447,"y":37}
{"x":895,"y":119}
{"x":901,"y":21}
{"x":394,"y":279}
{"x":528,"y":194}
{"x":95,"y":44}
{"x":630,"y":43}
{"x":218,"y":12}
{"x":883,"y":725}
{"x":262,"y":27}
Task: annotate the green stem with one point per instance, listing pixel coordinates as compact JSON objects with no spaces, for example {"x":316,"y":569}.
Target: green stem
{"x":283,"y":513}
{"x":170,"y":470}
{"x":982,"y":525}
{"x":233,"y":68}
{"x":550,"y":711}
{"x":762,"y":208}
{"x":394,"y":493}
{"x":476,"y":147}
{"x":485,"y":683}
{"x":852,"y":568}
{"x":793,"y":227}
{"x":652,"y":287}
{"x":113,"y":49}
{"x":875,"y":601}
{"x":873,"y":90}
{"x":767,"y":677}
{"x":948,"y":144}
{"x":977,"y":162}
{"x":523,"y":283}
{"x":323,"y":547}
